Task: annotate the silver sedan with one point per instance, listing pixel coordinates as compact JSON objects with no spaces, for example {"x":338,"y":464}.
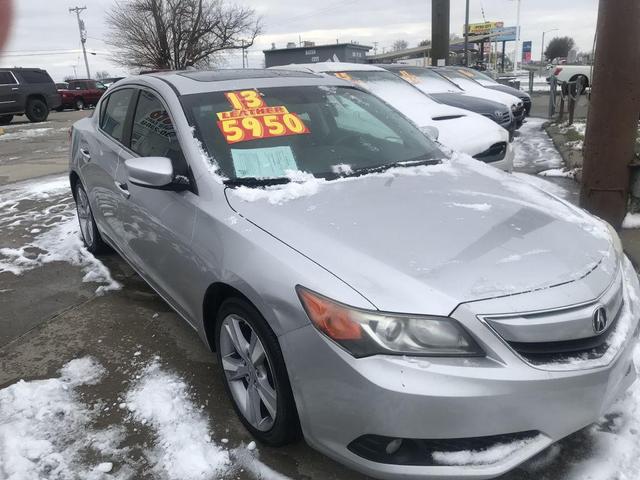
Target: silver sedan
{"x":411,"y":315}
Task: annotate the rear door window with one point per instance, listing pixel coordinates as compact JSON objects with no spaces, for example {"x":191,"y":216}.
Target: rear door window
{"x":35,"y":76}
{"x":7,"y":78}
{"x":115,"y":114}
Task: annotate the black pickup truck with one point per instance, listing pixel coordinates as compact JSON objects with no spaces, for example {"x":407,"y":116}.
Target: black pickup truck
{"x":26,"y":91}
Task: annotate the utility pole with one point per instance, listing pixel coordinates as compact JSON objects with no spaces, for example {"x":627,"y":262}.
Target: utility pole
{"x":466,"y":35}
{"x":516,"y":57}
{"x":613,"y":112}
{"x":83,"y":35}
{"x":440,"y":19}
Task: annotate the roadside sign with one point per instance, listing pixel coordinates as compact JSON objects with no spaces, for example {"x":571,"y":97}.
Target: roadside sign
{"x":505,"y":34}
{"x":483,"y":28}
{"x":526,"y":51}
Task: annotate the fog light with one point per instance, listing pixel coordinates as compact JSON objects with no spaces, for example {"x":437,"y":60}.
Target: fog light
{"x":393,"y":446}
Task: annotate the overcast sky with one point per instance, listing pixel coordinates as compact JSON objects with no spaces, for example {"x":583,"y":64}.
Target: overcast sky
{"x":47,"y":26}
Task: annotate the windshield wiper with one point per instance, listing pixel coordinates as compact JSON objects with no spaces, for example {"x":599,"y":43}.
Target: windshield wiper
{"x":255,"y":182}
{"x":414,"y":162}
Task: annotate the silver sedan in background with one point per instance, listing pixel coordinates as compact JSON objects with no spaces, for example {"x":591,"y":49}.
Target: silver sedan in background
{"x":412,"y":315}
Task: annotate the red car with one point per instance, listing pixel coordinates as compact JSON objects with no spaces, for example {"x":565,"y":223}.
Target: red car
{"x":79,"y":94}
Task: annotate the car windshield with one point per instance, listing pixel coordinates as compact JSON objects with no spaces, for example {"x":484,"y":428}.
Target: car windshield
{"x":396,"y":92}
{"x":478,"y":76}
{"x":325,"y":131}
{"x":460,"y":77}
{"x":427,"y":80}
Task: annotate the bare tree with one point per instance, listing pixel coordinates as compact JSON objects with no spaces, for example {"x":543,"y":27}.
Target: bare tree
{"x":176,"y":34}
{"x":400,"y":45}
{"x":102,"y":74}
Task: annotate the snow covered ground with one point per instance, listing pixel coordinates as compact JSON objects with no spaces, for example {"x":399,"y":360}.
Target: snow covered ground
{"x":49,"y":431}
{"x":50,"y":224}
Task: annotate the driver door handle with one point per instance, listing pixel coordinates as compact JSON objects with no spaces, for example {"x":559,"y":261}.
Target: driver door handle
{"x":123,"y":189}
{"x":85,"y":153}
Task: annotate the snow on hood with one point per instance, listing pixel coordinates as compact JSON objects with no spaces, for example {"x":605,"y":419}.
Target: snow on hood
{"x":442,"y":234}
{"x":479,"y":132}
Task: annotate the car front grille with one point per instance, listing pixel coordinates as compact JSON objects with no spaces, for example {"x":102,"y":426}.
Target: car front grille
{"x":494,"y":153}
{"x":562,"y":335}
{"x":590,"y":348}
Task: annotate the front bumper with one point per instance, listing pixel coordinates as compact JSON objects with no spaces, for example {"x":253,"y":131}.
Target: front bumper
{"x":341,"y":399}
{"x":503,"y":161}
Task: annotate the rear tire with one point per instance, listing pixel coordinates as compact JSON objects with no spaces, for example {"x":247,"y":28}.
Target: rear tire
{"x":90,"y":235}
{"x":259,"y":369}
{"x":6,"y":119}
{"x":37,"y":110}
{"x":79,"y":104}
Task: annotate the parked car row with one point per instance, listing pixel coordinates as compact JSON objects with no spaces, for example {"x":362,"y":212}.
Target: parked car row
{"x":408,"y":311}
{"x":32,"y":92}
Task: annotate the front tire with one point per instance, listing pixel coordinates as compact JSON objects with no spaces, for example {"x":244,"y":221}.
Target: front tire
{"x":254,"y":373}
{"x":37,"y":110}
{"x":90,"y":235}
{"x":575,"y":89}
{"x":79,"y":104}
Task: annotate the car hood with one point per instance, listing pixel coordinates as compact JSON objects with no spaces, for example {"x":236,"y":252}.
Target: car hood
{"x":425,"y":239}
{"x":510,"y":90}
{"x":475,"y":104}
{"x":494,"y":95}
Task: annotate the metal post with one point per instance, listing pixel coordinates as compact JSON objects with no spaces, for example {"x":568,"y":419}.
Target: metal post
{"x":466,"y":35}
{"x":440,"y":19}
{"x":531,"y":77}
{"x":612,"y":119}
{"x":516,"y":57}
{"x":504,"y":46}
{"x":83,"y":36}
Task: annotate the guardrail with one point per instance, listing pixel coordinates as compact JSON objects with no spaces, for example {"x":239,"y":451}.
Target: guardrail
{"x":569,"y":94}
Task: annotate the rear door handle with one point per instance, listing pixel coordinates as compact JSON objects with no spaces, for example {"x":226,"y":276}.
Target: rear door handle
{"x":14,"y":89}
{"x":85,"y":153}
{"x":123,"y":188}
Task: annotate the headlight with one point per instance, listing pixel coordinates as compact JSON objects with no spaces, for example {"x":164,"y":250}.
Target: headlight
{"x":363,"y":333}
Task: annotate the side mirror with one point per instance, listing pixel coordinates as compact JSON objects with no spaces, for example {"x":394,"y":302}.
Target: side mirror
{"x":431,"y":132}
{"x":150,"y":172}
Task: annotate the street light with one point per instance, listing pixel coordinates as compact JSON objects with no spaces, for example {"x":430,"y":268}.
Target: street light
{"x":542,"y":52}
{"x":516,"y":57}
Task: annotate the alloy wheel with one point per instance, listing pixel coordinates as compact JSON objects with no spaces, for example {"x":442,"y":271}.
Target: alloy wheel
{"x":84,"y":217}
{"x":248,"y":372}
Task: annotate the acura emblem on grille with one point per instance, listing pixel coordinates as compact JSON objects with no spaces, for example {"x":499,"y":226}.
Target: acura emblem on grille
{"x":599,"y":320}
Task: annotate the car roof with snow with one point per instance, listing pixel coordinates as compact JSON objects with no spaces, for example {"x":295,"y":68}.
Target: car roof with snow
{"x":201,"y":81}
{"x":326,"y":67}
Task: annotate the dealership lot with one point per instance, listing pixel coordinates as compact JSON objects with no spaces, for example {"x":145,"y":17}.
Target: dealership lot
{"x":61,"y":305}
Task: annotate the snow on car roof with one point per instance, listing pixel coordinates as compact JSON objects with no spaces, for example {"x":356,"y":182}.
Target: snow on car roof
{"x":322,"y":67}
{"x":240,"y":73}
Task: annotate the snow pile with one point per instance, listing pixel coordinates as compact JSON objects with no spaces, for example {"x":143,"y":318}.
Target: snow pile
{"x":27,"y":133}
{"x":489,"y":456}
{"x":57,"y":233}
{"x":45,"y":428}
{"x":614,"y":443}
{"x":559,"y":172}
{"x":631,"y":220}
{"x":480,"y":207}
{"x":303,"y":184}
{"x":184,"y":449}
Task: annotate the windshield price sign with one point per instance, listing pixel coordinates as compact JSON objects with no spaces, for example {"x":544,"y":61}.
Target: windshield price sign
{"x":252,"y":119}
